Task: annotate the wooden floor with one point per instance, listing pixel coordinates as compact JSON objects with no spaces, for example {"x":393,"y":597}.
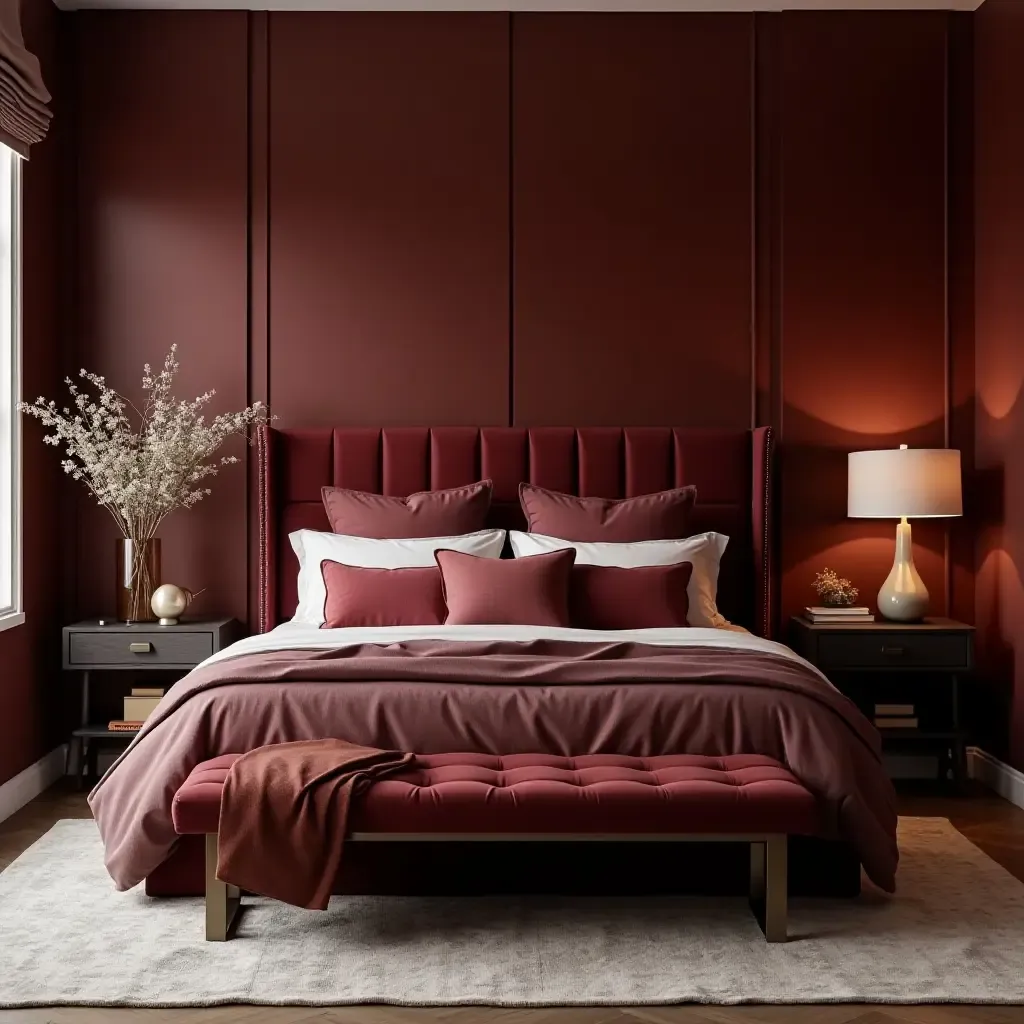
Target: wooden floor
{"x":994,"y":825}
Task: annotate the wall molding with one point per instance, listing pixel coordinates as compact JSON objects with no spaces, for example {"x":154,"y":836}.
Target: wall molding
{"x":525,"y":5}
{"x":28,"y":784}
{"x":998,"y":776}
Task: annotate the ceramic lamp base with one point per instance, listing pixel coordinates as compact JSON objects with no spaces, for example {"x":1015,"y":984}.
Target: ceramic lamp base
{"x":903,"y":597}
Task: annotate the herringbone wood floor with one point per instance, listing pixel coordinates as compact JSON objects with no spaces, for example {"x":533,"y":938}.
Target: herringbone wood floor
{"x":996,"y":826}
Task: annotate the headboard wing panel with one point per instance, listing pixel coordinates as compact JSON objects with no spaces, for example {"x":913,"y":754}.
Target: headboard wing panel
{"x":732,"y":471}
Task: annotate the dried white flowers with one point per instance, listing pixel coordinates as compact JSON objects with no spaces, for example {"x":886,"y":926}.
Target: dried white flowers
{"x":141,"y":473}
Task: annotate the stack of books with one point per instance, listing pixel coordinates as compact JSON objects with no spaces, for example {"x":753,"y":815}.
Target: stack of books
{"x":895,"y":716}
{"x":137,"y":708}
{"x":827,"y":614}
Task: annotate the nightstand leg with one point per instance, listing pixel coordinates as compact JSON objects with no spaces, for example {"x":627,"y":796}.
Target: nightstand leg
{"x":75,"y":759}
{"x":959,"y":747}
{"x":85,"y":700}
{"x":86,"y":743}
{"x":959,"y":764}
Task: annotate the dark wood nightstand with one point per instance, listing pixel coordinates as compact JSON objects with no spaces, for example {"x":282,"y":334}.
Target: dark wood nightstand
{"x":138,"y":647}
{"x":919,"y":663}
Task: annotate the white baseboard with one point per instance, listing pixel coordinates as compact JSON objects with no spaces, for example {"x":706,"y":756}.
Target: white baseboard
{"x":1006,"y":781}
{"x":27,"y":785}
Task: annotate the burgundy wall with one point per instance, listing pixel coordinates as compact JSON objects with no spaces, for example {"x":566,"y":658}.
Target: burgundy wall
{"x":477,"y":218}
{"x":30,"y":703}
{"x":632,"y":223}
{"x":162,"y":257}
{"x":999,"y":366}
{"x":862,"y":292}
{"x":389,"y":178}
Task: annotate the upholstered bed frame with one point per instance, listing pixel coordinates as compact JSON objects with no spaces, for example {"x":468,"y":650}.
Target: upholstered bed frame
{"x":732,"y":471}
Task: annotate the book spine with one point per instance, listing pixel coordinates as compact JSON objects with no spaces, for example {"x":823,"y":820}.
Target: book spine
{"x":119,"y":726}
{"x":893,"y":710}
{"x":896,"y":723}
{"x":138,"y":709}
{"x":838,"y":620}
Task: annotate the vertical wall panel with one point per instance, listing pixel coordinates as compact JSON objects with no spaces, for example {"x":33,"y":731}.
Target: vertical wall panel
{"x":862,"y":278}
{"x":998,"y":493}
{"x":632,"y":219}
{"x":162,"y":256}
{"x":389,"y":218}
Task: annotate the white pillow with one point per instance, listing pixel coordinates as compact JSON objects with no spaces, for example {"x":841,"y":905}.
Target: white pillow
{"x":311,"y":548}
{"x":704,"y":551}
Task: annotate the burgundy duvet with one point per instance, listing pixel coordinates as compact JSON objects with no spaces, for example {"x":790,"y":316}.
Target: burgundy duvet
{"x":504,"y":697}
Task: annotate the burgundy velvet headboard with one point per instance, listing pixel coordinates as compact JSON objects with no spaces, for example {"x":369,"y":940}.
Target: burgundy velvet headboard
{"x":732,"y":471}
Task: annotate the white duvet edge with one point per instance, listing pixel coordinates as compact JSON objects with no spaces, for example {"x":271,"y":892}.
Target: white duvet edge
{"x":295,"y":636}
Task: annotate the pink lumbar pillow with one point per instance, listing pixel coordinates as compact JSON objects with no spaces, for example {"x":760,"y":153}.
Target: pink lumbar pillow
{"x":531,"y":591}
{"x":381,"y":597}
{"x":645,"y":597}
{"x":660,"y":516}
{"x":424,"y":514}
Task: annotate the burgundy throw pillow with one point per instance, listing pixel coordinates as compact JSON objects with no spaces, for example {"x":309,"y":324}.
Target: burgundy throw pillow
{"x":424,"y":514}
{"x":381,"y":597}
{"x":530,"y":591}
{"x":644,"y":597}
{"x":664,"y":515}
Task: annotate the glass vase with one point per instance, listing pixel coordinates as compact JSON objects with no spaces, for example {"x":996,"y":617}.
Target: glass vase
{"x":138,"y":575}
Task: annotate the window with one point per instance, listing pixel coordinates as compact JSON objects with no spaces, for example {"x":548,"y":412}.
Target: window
{"x":10,"y":389}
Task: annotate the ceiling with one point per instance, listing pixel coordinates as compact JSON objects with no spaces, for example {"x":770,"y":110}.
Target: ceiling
{"x":524,"y":5}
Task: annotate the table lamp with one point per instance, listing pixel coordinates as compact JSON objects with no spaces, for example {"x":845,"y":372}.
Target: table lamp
{"x":903,"y":483}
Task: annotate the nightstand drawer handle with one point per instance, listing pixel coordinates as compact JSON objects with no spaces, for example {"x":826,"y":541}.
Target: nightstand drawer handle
{"x":141,"y":648}
{"x":895,"y":652}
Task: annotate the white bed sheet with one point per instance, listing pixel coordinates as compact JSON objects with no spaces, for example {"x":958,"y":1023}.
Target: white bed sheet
{"x":300,"y":636}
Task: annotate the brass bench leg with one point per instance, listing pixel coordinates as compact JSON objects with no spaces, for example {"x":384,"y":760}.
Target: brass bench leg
{"x":776,"y":898}
{"x":222,"y":900}
{"x":768,"y":886}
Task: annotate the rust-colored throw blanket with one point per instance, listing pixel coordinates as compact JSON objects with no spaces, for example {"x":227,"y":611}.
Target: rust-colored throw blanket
{"x":501,"y":697}
{"x":284,"y":815}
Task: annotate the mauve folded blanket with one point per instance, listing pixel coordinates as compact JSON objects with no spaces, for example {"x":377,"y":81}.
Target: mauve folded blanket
{"x":284,"y":815}
{"x":541,"y":696}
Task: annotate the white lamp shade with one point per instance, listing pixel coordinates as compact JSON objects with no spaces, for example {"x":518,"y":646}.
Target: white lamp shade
{"x":899,"y":482}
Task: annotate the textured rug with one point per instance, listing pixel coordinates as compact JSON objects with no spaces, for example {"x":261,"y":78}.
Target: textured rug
{"x":953,"y":933}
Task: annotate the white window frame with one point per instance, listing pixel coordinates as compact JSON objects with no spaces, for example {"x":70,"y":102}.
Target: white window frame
{"x":11,"y":608}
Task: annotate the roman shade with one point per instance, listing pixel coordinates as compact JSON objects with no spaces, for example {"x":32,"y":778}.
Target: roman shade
{"x":24,"y":114}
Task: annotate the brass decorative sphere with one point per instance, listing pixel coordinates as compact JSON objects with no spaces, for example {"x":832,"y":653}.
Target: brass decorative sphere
{"x":169,"y":602}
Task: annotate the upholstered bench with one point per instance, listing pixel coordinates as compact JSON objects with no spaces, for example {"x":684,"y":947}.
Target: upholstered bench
{"x":536,"y":797}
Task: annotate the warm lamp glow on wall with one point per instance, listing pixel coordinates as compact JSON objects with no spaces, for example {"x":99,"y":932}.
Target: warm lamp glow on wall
{"x":904,"y":483}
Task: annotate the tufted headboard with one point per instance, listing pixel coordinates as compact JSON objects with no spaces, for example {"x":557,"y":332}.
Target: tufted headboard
{"x":732,"y":471}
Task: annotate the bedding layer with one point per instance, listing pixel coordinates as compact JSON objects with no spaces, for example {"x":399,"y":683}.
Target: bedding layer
{"x":503,"y":697}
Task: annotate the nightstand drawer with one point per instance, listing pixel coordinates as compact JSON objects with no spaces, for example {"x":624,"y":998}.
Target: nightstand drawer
{"x":893,"y":650}
{"x":120,"y":647}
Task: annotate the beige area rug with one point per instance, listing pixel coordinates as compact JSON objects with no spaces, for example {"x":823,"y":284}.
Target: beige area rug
{"x":953,"y":933}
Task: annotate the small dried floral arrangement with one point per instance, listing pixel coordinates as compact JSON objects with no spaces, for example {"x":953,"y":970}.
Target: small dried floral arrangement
{"x":142,"y":464}
{"x":833,"y":590}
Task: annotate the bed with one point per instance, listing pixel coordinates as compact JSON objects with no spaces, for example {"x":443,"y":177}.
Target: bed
{"x":710,"y":692}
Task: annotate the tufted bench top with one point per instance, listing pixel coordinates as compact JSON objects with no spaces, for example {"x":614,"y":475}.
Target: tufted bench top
{"x":539,"y":793}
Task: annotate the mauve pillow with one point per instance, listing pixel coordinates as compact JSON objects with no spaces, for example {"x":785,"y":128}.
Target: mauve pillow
{"x":663,"y":515}
{"x":381,"y":597}
{"x":531,"y":591}
{"x":424,"y":514}
{"x":645,"y":597}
